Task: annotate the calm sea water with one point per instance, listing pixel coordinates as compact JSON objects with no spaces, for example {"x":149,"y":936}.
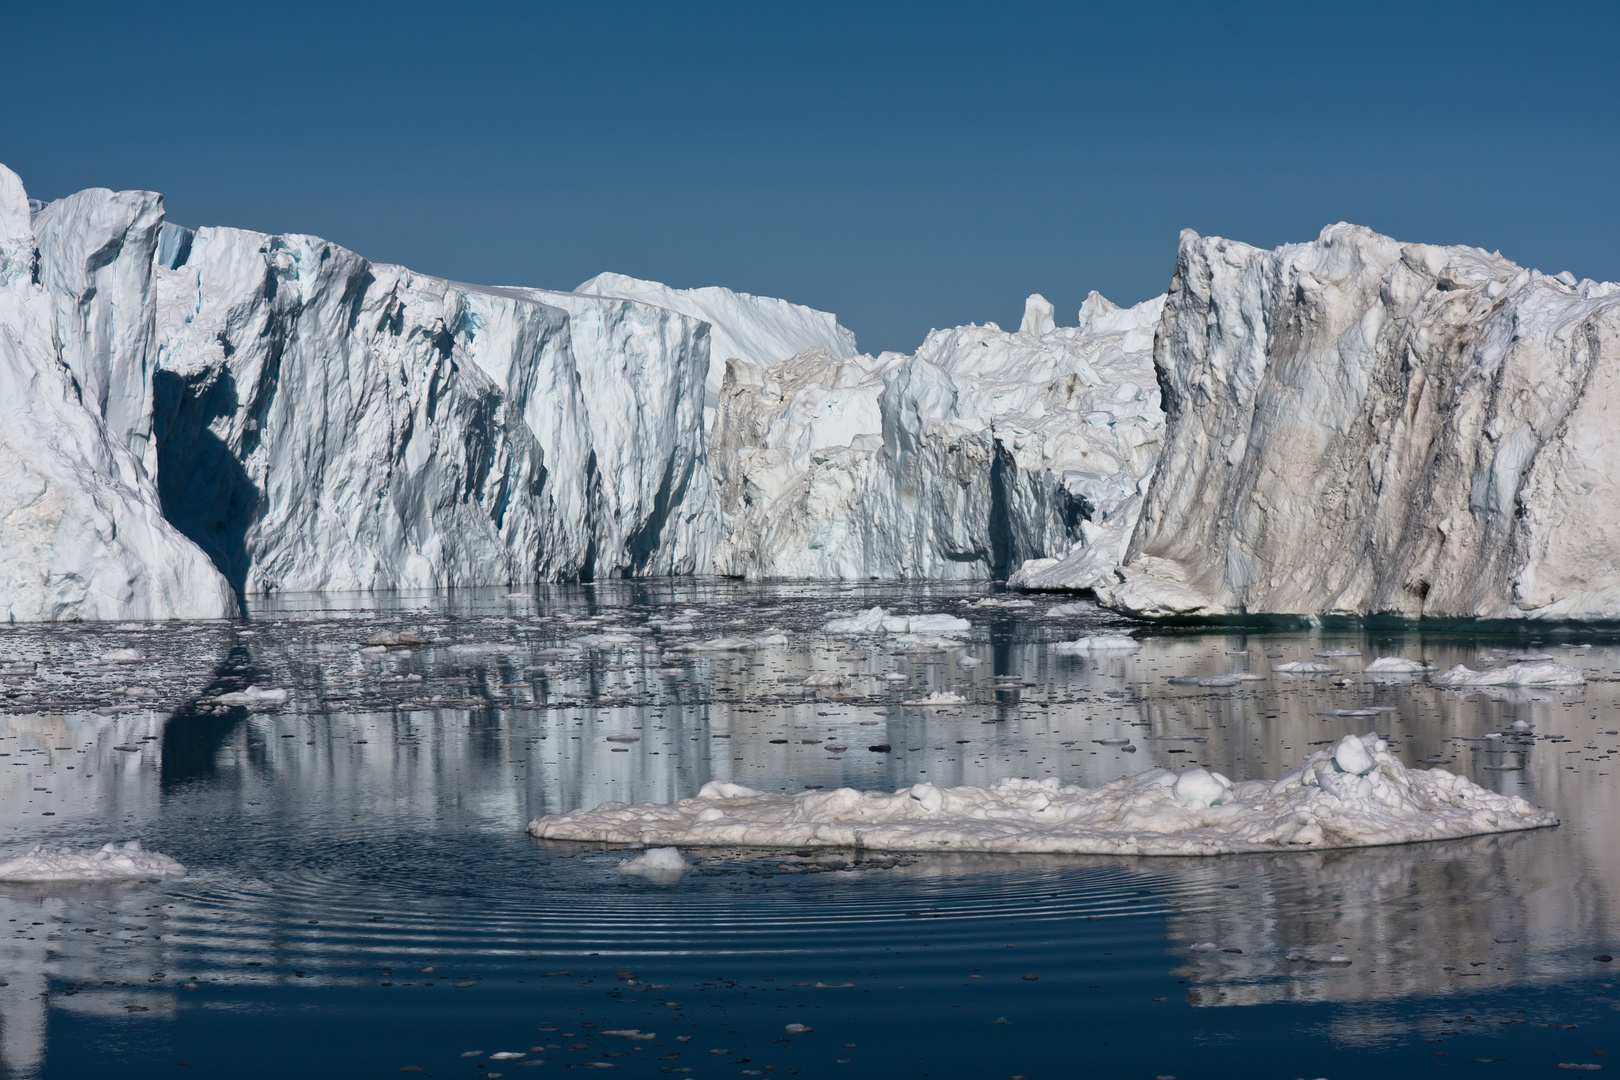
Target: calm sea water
{"x":363,"y":899}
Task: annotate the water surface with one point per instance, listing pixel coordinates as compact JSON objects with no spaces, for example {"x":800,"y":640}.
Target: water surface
{"x":363,"y":899}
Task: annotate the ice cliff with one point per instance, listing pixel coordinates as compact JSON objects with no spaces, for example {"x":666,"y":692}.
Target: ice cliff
{"x":82,"y":531}
{"x":1357,"y":425}
{"x":981,"y":451}
{"x":189,"y":414}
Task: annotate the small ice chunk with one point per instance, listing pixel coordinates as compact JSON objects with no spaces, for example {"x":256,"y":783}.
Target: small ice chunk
{"x":1304,"y":667}
{"x":663,"y":863}
{"x":254,"y":696}
{"x":123,"y":656}
{"x":1396,"y":665}
{"x":1351,"y":755}
{"x":939,"y":699}
{"x":1198,"y":788}
{"x":965,"y":661}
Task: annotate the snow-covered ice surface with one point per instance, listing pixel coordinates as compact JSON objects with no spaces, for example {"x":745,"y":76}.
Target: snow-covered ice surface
{"x":1355,"y":795}
{"x":111,"y":862}
{"x":1357,"y":425}
{"x":761,"y":330}
{"x":967,"y":459}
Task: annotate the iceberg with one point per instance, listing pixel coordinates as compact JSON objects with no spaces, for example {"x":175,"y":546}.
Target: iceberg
{"x":1353,"y":794}
{"x":1361,"y":426}
{"x":984,"y":454}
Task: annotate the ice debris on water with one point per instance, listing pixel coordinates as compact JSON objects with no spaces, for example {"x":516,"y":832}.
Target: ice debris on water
{"x":1304,"y":667}
{"x":1355,"y":794}
{"x":112,"y":862}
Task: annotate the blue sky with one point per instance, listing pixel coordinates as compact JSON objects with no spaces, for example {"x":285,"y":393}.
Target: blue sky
{"x":907,"y":166}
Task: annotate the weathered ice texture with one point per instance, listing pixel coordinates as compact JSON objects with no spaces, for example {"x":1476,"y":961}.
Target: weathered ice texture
{"x":313,"y":421}
{"x":983,"y":450}
{"x":1357,"y":425}
{"x":329,"y":423}
{"x":759,"y":329}
{"x":82,"y":534}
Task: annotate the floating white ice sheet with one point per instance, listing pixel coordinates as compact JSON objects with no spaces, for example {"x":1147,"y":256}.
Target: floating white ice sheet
{"x":112,"y":862}
{"x":1354,"y":794}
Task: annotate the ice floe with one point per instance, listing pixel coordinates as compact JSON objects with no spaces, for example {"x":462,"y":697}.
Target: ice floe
{"x":1096,"y":643}
{"x":111,"y":862}
{"x":1540,"y":673}
{"x":878,"y":621}
{"x":1354,"y":794}
{"x":1396,"y":665}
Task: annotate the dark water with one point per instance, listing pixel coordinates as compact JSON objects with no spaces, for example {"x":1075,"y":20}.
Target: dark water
{"x":372,"y":828}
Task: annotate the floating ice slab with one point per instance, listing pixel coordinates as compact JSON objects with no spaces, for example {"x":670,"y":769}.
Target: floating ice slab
{"x":112,"y":862}
{"x":1304,"y":667}
{"x":1532,"y":674}
{"x":1094,"y":643}
{"x":1354,"y":794}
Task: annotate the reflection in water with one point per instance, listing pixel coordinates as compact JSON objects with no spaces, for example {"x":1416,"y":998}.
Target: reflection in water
{"x":333,"y":832}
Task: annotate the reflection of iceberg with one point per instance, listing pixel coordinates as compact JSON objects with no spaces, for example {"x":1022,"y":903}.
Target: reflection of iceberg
{"x":1413,"y":921}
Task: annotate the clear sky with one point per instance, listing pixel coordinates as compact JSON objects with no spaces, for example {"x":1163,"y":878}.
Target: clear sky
{"x":906,"y":166}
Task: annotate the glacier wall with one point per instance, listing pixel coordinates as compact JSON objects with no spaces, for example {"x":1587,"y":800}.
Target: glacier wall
{"x":327,"y":423}
{"x":82,"y":532}
{"x":1357,"y":425}
{"x":980,"y":452}
{"x":193,"y":413}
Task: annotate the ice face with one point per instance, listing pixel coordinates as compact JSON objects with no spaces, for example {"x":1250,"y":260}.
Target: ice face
{"x":983,"y":454}
{"x":82,"y":532}
{"x":1357,"y":425}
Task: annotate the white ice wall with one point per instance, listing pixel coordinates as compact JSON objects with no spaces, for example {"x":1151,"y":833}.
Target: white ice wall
{"x":981,"y":451}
